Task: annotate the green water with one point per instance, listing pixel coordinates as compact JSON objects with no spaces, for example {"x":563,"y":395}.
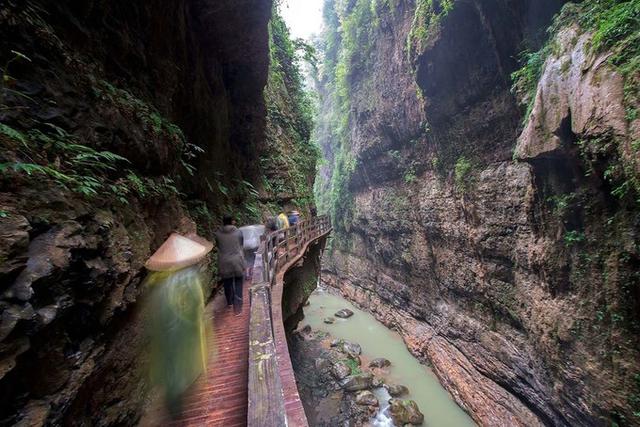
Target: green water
{"x":378,"y":341}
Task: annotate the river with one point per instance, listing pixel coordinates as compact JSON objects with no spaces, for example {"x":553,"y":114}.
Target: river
{"x":377,"y":340}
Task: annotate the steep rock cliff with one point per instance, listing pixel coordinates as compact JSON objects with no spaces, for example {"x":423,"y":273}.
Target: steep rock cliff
{"x":517,"y":279}
{"x":119,"y":123}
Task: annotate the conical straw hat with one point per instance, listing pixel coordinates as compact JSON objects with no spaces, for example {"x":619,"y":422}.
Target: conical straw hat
{"x":178,"y":252}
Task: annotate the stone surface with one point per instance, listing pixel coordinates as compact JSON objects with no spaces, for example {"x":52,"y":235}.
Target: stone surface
{"x":344,"y":313}
{"x":366,"y":398}
{"x":481,"y":278}
{"x":324,"y":400}
{"x":329,"y":320}
{"x":405,"y":412}
{"x":71,"y":265}
{"x":380,"y":362}
{"x":351,"y":348}
{"x":322,"y":363}
{"x":357,"y":382}
{"x":341,"y":370}
{"x":396,"y":390}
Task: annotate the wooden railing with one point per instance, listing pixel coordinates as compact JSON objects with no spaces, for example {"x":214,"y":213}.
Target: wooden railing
{"x":267,"y":391}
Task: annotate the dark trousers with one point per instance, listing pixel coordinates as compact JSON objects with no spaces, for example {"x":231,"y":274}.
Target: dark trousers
{"x":233,"y":291}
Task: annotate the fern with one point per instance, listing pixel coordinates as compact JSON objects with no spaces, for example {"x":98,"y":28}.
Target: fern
{"x":13,"y":134}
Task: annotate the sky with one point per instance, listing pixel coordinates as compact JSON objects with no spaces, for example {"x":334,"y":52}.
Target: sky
{"x":303,"y":17}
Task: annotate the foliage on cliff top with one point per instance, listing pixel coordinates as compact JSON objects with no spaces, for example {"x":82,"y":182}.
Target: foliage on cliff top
{"x":288,"y":162}
{"x":426,"y":23}
{"x":615,"y":25}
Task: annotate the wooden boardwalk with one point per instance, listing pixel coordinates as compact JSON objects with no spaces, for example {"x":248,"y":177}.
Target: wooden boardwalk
{"x":218,"y":398}
{"x":222,"y":396}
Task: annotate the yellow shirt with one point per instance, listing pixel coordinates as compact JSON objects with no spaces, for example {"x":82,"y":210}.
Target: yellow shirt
{"x":283,"y":221}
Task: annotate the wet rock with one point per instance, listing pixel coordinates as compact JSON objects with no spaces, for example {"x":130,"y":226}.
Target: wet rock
{"x":366,"y":398}
{"x":47,"y":314}
{"x":341,"y":370}
{"x":10,"y":316}
{"x":352,"y":349}
{"x":305,"y":330}
{"x":377,"y":382}
{"x":357,"y":382}
{"x":48,"y":253}
{"x":321,"y":363}
{"x":396,"y":390}
{"x":380,"y":362}
{"x":35,"y":414}
{"x":344,"y":313}
{"x":329,"y":320}
{"x":14,"y":240}
{"x":9,"y":353}
{"x":347,"y":347}
{"x":405,"y":412}
{"x":336,"y":342}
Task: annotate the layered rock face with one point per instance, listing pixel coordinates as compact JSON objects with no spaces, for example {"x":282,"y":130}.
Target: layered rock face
{"x":121,"y":122}
{"x":514,"y":275}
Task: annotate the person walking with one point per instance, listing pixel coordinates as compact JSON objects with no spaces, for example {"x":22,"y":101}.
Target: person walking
{"x":231,"y":263}
{"x":294,"y":217}
{"x":282,"y":221}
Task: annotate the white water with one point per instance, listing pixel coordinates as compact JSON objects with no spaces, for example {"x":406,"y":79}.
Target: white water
{"x":377,"y":341}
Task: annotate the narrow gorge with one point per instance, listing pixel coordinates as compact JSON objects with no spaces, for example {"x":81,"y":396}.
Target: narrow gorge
{"x":478,"y":160}
{"x":482,"y":178}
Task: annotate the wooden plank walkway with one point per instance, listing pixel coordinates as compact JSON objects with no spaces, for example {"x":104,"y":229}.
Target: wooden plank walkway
{"x":219,"y":397}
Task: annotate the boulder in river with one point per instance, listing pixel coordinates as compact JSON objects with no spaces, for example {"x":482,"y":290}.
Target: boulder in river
{"x":357,"y":382}
{"x":344,"y":313}
{"x":380,"y":362}
{"x":396,"y":390}
{"x":306,"y":329}
{"x":405,"y":412}
{"x":341,"y":370}
{"x":351,"y":348}
{"x":377,"y":382}
{"x":329,"y":320}
{"x":366,"y":398}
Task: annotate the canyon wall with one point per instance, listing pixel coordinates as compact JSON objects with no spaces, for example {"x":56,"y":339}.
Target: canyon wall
{"x":121,"y":122}
{"x":491,"y":218}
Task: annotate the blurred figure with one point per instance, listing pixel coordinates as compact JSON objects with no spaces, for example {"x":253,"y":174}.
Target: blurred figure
{"x":231,"y":263}
{"x":271,"y":224}
{"x":313,"y":211}
{"x":294,"y":217}
{"x":176,"y":312}
{"x":251,"y":235}
{"x":282,"y":221}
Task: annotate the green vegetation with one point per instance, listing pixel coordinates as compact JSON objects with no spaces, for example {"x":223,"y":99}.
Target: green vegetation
{"x":561,"y":204}
{"x":353,"y":365}
{"x":462,"y":173}
{"x":615,"y":25}
{"x":288,"y":163}
{"x":573,"y":237}
{"x":426,"y":23}
{"x":601,"y":157}
{"x":49,"y":151}
{"x":53,"y":153}
{"x":525,"y":80}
